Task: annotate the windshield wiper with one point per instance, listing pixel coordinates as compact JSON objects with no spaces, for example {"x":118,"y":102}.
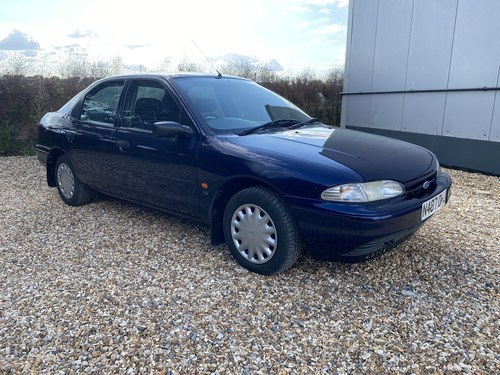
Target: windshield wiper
{"x":281,"y":123}
{"x":271,"y":124}
{"x":302,"y":123}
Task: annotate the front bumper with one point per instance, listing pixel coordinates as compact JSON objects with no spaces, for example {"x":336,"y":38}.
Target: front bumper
{"x":357,"y":232}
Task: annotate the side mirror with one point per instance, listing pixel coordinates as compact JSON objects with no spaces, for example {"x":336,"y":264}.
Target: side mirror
{"x":170,"y":129}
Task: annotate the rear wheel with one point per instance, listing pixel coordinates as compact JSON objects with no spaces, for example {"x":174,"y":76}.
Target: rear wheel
{"x":71,"y":190}
{"x":261,"y":232}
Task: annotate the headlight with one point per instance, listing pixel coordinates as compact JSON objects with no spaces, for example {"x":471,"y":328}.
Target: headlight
{"x":364,"y":192}
{"x":438,"y":167}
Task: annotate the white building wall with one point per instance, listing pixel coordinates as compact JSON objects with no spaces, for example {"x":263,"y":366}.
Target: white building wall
{"x":402,"y":45}
{"x":428,"y":65}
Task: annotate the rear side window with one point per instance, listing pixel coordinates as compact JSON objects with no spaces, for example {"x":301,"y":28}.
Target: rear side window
{"x":100,"y":104}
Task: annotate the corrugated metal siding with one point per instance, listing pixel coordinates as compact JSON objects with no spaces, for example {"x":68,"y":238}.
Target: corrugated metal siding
{"x":424,"y":44}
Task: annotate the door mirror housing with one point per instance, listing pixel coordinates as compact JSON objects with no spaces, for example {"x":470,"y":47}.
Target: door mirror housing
{"x":170,"y":129}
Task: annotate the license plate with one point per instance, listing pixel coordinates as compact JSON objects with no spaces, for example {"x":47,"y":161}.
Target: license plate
{"x":433,"y":205}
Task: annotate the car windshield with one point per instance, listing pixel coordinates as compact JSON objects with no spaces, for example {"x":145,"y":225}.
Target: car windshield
{"x":231,"y":105}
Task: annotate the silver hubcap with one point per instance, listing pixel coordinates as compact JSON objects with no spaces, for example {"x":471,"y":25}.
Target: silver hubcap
{"x":254,"y":234}
{"x":65,"y":180}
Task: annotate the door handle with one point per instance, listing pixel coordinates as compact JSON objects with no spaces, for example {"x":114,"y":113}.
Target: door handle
{"x":70,"y":136}
{"x":122,"y":145}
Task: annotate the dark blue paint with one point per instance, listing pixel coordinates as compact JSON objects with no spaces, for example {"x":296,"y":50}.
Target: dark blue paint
{"x":299,"y":164}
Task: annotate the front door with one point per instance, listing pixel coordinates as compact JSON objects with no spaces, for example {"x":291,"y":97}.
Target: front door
{"x":161,"y":172}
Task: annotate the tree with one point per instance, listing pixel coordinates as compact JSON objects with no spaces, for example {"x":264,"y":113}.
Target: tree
{"x":241,"y":66}
{"x":188,"y":66}
{"x":98,"y":69}
{"x":16,"y":64}
{"x":117,"y":66}
{"x":74,"y":66}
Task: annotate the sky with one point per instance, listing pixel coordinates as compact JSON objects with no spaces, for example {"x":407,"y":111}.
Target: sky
{"x":299,"y":34}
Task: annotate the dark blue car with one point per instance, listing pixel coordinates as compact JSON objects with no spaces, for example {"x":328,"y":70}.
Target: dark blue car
{"x":229,"y":153}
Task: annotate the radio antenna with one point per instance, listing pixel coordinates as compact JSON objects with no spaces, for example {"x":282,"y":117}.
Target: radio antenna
{"x":205,"y":56}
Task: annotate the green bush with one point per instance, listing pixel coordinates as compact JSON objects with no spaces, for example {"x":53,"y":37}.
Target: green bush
{"x":10,"y":144}
{"x":318,"y":98}
{"x":23,"y":101}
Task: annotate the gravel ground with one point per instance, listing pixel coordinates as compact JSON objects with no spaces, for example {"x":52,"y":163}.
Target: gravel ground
{"x":114,"y":288}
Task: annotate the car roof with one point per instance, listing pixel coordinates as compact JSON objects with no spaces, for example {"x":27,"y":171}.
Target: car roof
{"x":172,"y":75}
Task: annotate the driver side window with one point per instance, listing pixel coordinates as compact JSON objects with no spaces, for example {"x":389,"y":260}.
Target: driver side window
{"x":148,"y":102}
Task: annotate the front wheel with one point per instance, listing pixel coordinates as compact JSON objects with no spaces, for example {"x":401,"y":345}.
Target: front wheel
{"x":261,"y":232}
{"x":71,"y":190}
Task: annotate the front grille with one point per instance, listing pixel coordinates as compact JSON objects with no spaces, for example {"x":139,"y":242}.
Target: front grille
{"x":416,"y":189}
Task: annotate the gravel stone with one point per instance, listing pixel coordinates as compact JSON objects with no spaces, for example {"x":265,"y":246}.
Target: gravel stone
{"x":112,"y":287}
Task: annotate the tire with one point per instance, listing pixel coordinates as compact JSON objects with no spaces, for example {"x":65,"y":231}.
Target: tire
{"x":70,"y":188}
{"x":261,"y":232}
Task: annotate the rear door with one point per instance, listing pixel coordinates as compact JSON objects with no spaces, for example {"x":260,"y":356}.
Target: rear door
{"x":161,"y":172}
{"x":87,"y":137}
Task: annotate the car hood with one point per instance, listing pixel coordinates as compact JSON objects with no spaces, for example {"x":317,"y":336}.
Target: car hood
{"x":370,"y":156}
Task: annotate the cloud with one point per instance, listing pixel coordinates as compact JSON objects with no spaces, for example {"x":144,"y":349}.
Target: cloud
{"x":317,"y":21}
{"x":300,"y":8}
{"x":74,"y":49}
{"x":325,"y":11}
{"x":74,"y":45}
{"x":342,"y":4}
{"x":83,"y":34}
{"x":338,"y":3}
{"x":329,"y":29}
{"x":134,"y":46}
{"x":274,"y":66}
{"x":327,"y":34}
{"x":3,"y":55}
{"x":239,"y":59}
{"x":18,"y":41}
{"x":340,"y":59}
{"x":30,"y":53}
